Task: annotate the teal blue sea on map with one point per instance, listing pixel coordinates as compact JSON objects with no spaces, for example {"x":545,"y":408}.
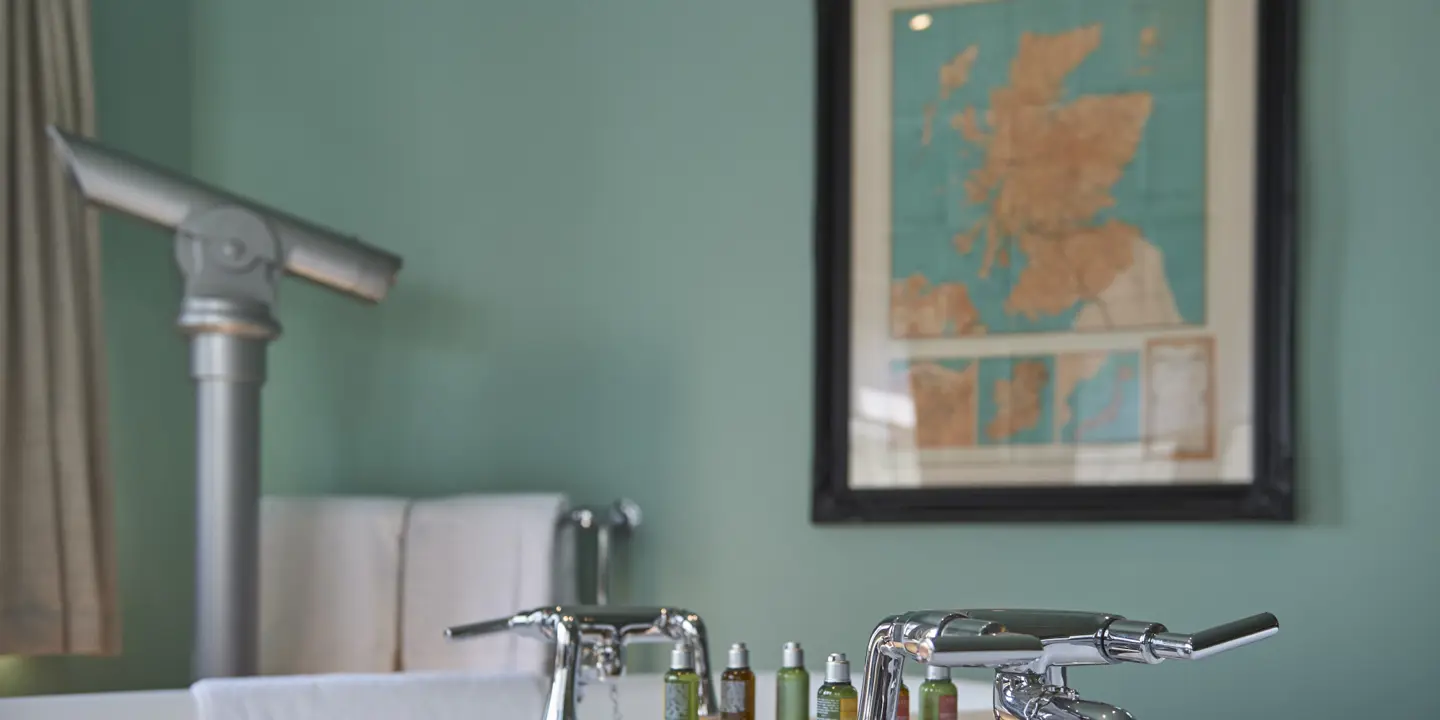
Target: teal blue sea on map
{"x":1146,"y":46}
{"x":1105,"y":408}
{"x":1030,"y":399}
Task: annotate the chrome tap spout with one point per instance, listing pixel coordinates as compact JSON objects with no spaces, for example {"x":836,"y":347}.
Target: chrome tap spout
{"x":933,"y":637}
{"x":1030,"y":651}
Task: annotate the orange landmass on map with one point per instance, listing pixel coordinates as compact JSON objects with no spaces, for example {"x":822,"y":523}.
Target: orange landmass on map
{"x":965,"y":241}
{"x":921,"y":310}
{"x":1049,"y":169}
{"x":945,"y":404}
{"x":1149,"y":41}
{"x":1149,"y":38}
{"x":1017,"y":400}
{"x":1078,"y":266}
{"x":954,"y":74}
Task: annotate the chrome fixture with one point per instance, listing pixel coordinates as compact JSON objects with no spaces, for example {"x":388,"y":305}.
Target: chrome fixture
{"x":617,"y":519}
{"x":933,"y":637}
{"x":1030,"y":650}
{"x":590,"y":645}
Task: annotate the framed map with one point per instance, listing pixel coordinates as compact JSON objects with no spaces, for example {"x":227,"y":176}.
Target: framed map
{"x":1054,"y":259}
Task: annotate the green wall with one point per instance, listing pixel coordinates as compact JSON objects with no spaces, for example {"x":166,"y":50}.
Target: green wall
{"x":143,"y":98}
{"x":605,"y":212}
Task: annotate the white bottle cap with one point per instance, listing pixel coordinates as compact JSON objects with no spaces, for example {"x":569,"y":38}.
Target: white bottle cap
{"x":837,"y":668}
{"x":935,"y":672}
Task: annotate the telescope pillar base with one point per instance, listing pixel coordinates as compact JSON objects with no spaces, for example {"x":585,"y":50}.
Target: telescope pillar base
{"x":230,"y":260}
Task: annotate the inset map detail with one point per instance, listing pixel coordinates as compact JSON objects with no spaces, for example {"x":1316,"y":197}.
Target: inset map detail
{"x":1180,"y":404}
{"x":1016,"y":400}
{"x":1098,"y":397}
{"x":1071,"y":399}
{"x":945,"y":402}
{"x":1048,"y":168}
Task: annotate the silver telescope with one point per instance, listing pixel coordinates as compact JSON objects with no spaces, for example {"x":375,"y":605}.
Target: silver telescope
{"x":119,"y":181}
{"x":231,"y":251}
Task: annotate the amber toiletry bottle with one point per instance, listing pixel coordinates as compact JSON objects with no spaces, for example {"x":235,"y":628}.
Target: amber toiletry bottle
{"x":737,"y":686}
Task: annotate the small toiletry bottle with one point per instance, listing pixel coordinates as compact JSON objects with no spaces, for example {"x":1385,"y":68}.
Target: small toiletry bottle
{"x":682,"y":685}
{"x":837,"y":699}
{"x":737,"y":686}
{"x":902,"y":704}
{"x":792,"y":685}
{"x":937,"y":694}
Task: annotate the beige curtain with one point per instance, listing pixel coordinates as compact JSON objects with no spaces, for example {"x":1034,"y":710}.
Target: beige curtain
{"x":57,"y":568}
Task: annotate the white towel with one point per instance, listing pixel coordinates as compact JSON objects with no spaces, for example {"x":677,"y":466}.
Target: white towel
{"x":471,"y":558}
{"x":408,"y":696}
{"x":330,"y":584}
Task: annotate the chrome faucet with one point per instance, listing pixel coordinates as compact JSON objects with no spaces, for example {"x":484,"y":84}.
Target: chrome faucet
{"x":590,"y":645}
{"x":1030,"y":681}
{"x":934,"y":637}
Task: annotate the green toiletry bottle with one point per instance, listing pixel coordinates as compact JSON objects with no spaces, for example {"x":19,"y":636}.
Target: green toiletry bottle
{"x":737,"y":686}
{"x":792,"y":686}
{"x":837,"y":699}
{"x":682,"y":685}
{"x":937,"y":694}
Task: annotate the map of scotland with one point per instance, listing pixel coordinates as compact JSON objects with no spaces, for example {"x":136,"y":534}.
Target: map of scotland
{"x":1048,"y":167}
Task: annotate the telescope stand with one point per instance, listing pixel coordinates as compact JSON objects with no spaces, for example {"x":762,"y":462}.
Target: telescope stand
{"x":231,"y":261}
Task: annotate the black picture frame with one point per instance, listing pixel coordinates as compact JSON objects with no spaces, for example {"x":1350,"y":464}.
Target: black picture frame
{"x":1270,"y":497}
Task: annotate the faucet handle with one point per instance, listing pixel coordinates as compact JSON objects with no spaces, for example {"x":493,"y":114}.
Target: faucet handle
{"x":487,"y":627}
{"x":1151,"y":643}
{"x":991,"y":649}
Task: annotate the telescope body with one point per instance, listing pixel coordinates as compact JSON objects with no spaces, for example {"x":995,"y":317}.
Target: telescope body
{"x":144,"y":190}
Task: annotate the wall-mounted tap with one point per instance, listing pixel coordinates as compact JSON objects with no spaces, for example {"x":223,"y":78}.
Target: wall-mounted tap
{"x":590,"y":645}
{"x":1030,"y":683}
{"x":614,"y":521}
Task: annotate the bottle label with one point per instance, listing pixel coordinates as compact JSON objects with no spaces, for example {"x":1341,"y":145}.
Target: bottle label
{"x":947,"y":707}
{"x":732,"y":697}
{"x":902,"y":708}
{"x":827,"y":708}
{"x":836,"y":708}
{"x":678,"y":699}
